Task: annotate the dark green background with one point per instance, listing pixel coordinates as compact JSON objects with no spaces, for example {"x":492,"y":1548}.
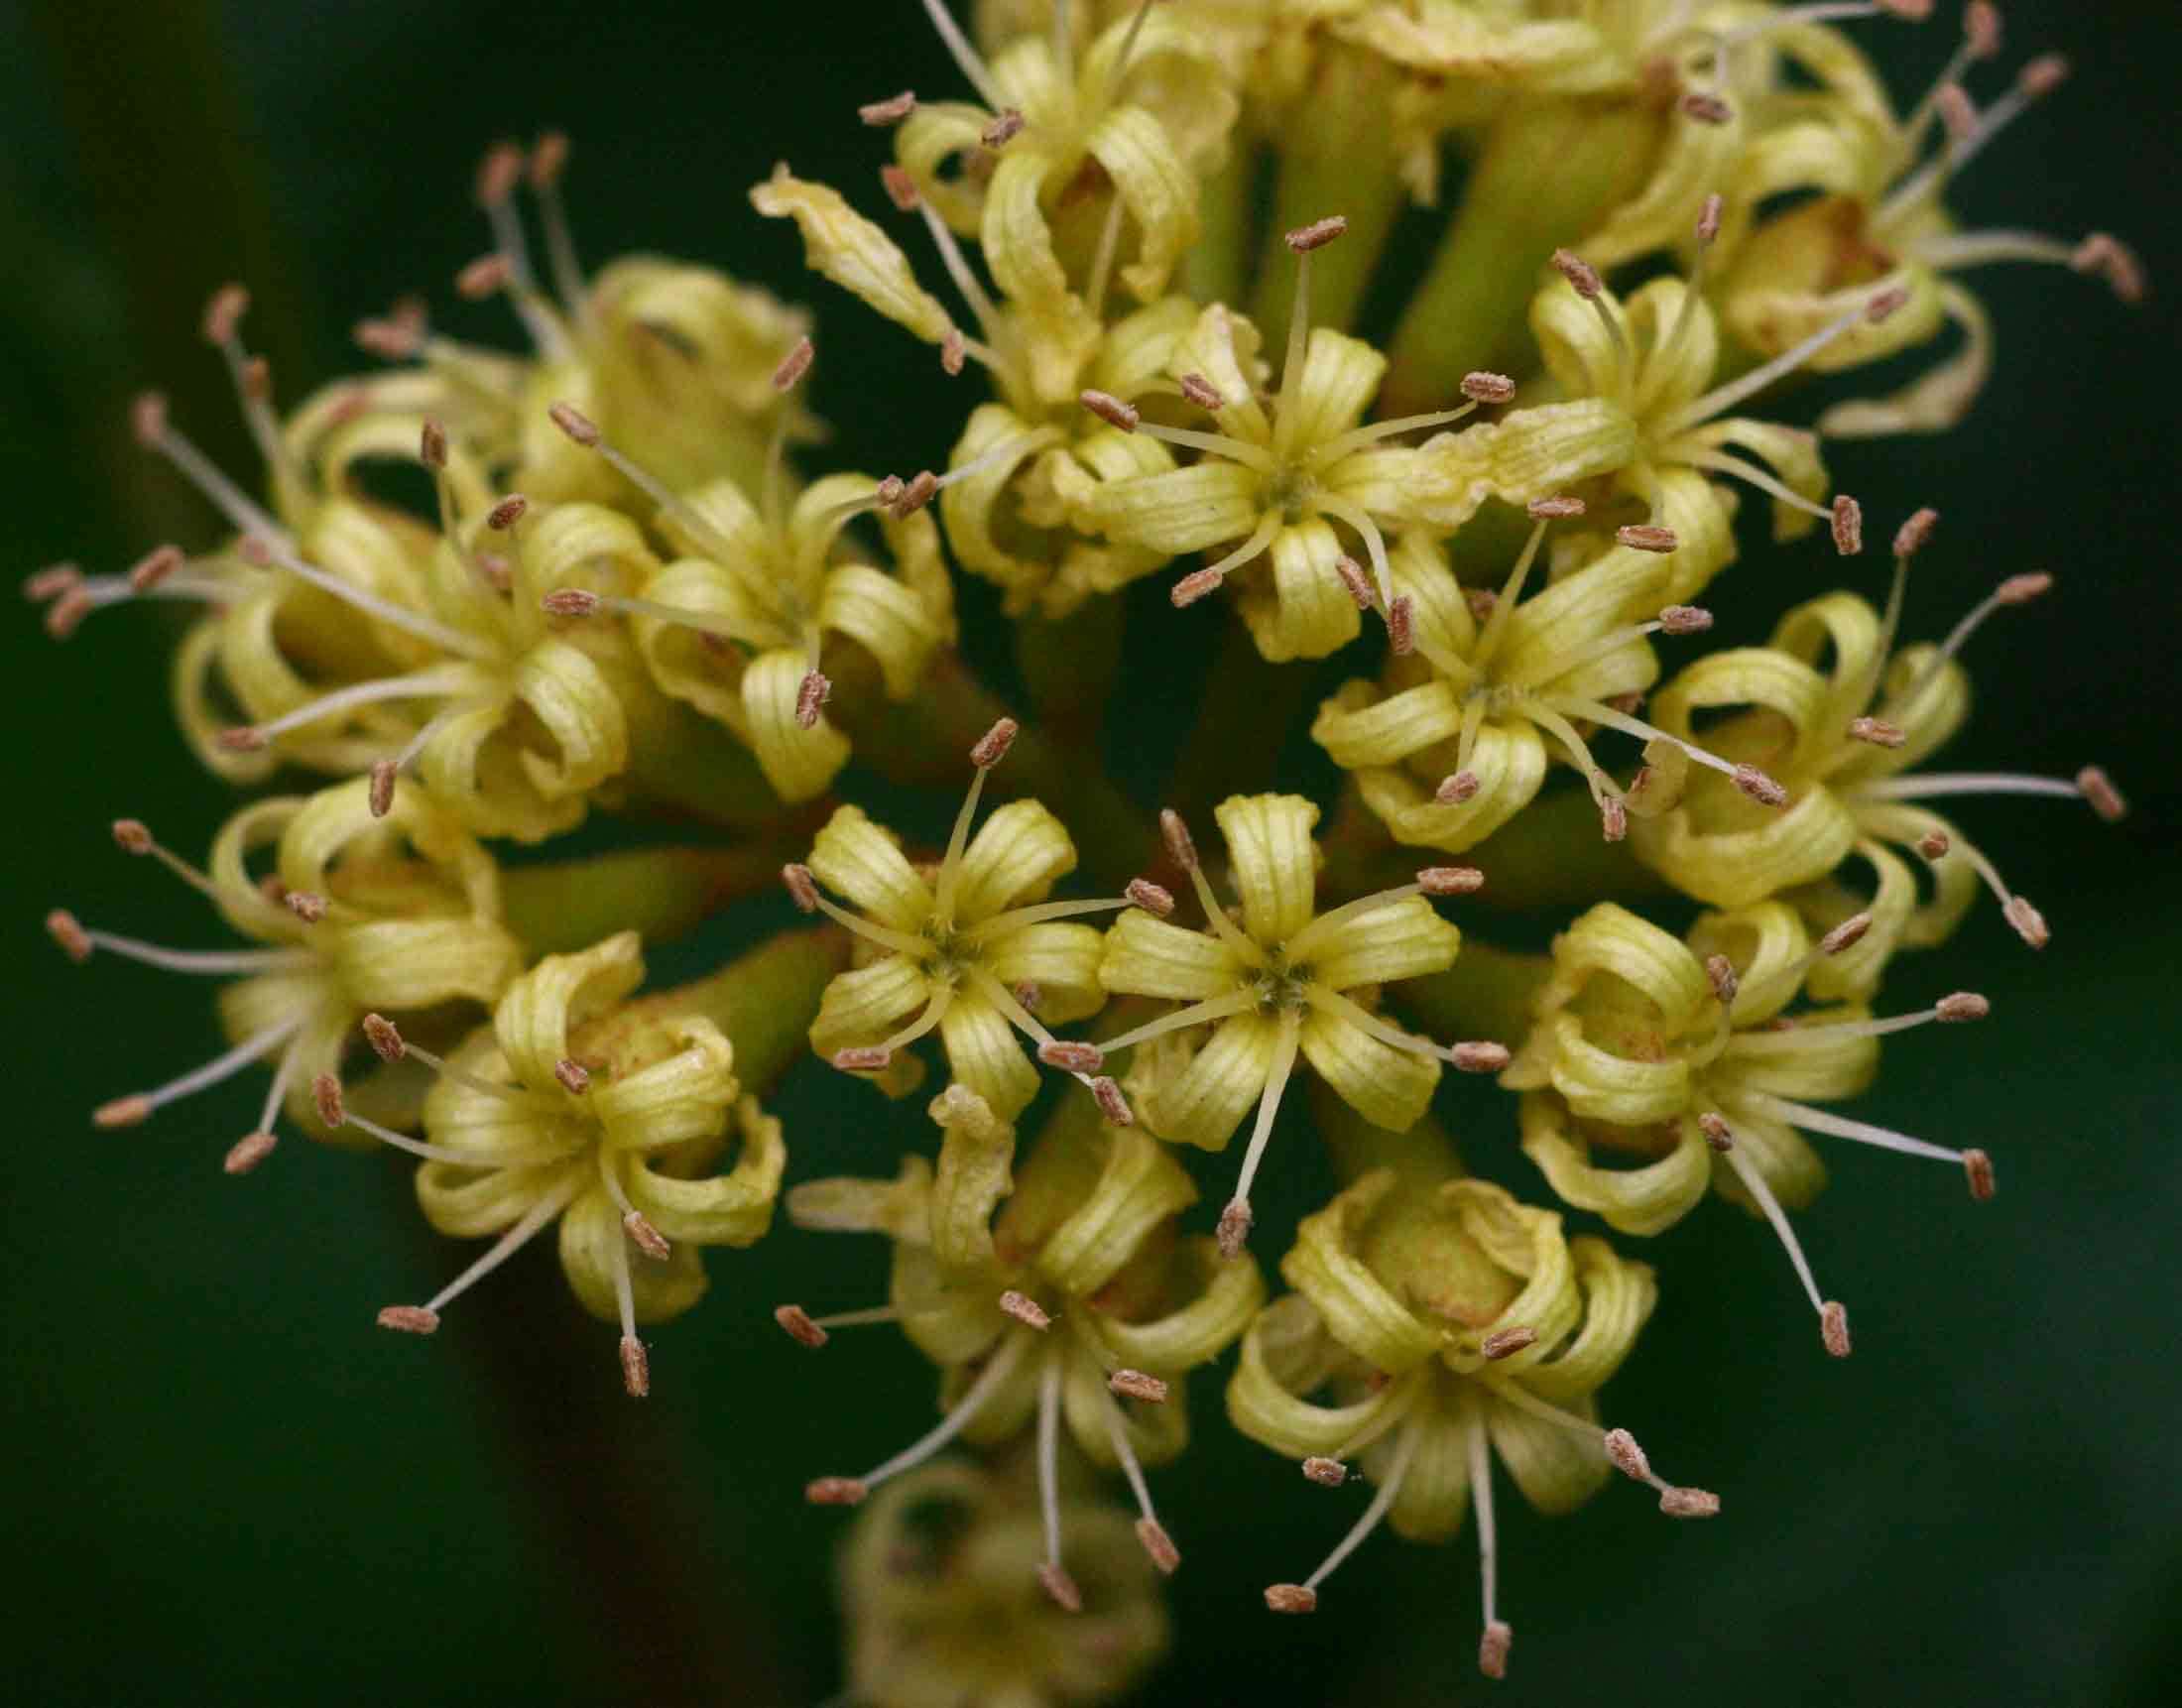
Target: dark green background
{"x":223,"y":1484}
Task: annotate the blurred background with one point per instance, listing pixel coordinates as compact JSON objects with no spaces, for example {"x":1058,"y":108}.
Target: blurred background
{"x":228,"y":1486}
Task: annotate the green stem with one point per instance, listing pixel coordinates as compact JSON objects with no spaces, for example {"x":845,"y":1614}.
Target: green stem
{"x":1243,"y":721}
{"x":1424,"y":1155}
{"x":562,"y":905}
{"x":766,"y":1000}
{"x":1069,"y":666}
{"x":1212,"y":271}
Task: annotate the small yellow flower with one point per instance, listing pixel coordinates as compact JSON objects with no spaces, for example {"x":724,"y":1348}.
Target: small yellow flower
{"x":1682,"y":1054}
{"x":1278,"y":983}
{"x":1451,"y":1323}
{"x":359,"y":911}
{"x":610,"y":1115}
{"x":1078,"y":1303}
{"x":958,"y":952}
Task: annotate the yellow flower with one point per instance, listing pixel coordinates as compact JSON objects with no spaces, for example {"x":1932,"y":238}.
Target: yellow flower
{"x":1450,"y":1324}
{"x":958,"y":952}
{"x":359,"y":911}
{"x":1844,"y":743}
{"x":1077,"y":1297}
{"x":611,"y":1116}
{"x":1682,"y":1054}
{"x":1277,"y":984}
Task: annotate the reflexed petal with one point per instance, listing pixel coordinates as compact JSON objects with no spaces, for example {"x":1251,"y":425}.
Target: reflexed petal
{"x":683,"y":1096}
{"x":1283,"y":1359}
{"x":730,"y":1209}
{"x":548,"y":1003}
{"x":1618,"y":1296}
{"x":800,"y":763}
{"x":853,"y":252}
{"x":1224,"y":1295}
{"x":1358,"y":1310}
{"x":1204,"y":1103}
{"x":975,"y":1173}
{"x":590,"y":1235}
{"x":1158,"y":188}
{"x":1640,"y":1201}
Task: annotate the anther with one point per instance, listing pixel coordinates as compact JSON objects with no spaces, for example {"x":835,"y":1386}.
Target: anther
{"x":2030,"y":924}
{"x":1479,"y":1058}
{"x":1909,"y":11}
{"x":1493,"y":1647}
{"x":955,"y":351}
{"x":432,"y":445}
{"x":812,"y":694}
{"x":1456,"y":788}
{"x":1026,"y":1310}
{"x":50,"y":582}
{"x":576,"y":424}
{"x":1401,"y":626}
{"x":67,"y":612}
{"x":1725,"y":984}
{"x":900,"y":187}
{"x":2042,"y":75}
{"x":1579,"y":273}
{"x":1507,"y":1342}
{"x":794,"y":365}
{"x":574,"y":1078}
{"x":1111,"y":410}
{"x":1006,"y":126}
{"x":1450,"y":880}
{"x":1137,"y":1385}
{"x":1981,"y":29}
{"x":800,"y":1327}
{"x":131,"y":1111}
{"x":1958,"y":112}
{"x":507,"y":512}
{"x":498,"y":174}
{"x":800,"y":887}
{"x":1488,"y":388}
{"x":549,"y":160}
{"x":1845,"y":935}
{"x":1055,"y":1581}
{"x":992,"y":747}
{"x":485,"y":277}
{"x":1201,"y":392}
{"x":1689,"y":1503}
{"x":888,"y":491}
{"x":1292,"y":1597}
{"x":1962,"y":1005}
{"x":1112,"y":1104}
{"x":154,"y":567}
{"x":1648,"y":537}
{"x":1847,"y":523}
{"x":1612,"y":819}
{"x":1706,"y":109}
{"x":1708,"y":219}
{"x":916,"y":492}
{"x":835,"y":1492}
{"x":1883,"y":303}
{"x":891,"y":112}
{"x":2096,"y":787}
{"x":863,"y":1058}
{"x":1914,"y":535}
{"x":1145,"y":894}
{"x":1316,"y":236}
{"x":1629,"y":1458}
{"x":635,"y":1368}
{"x":1172,"y":832}
{"x":1159,"y":1545}
{"x":1685,"y":620}
{"x":325,"y":1092}
{"x":1877,"y":731}
{"x":1071,"y":1056}
{"x":133,"y":837}
{"x":1718,"y":1133}
{"x":1234,"y":1230}
{"x":383,"y":773}
{"x":1977,"y":1166}
{"x":383,"y":1038}
{"x":1933,"y":844}
{"x":570,"y":602}
{"x":410,"y":1320}
{"x":255,"y":379}
{"x":306,"y":906}
{"x":1759,"y":786}
{"x":1327,"y":1473}
{"x":148,"y":418}
{"x":241,"y":738}
{"x":2021,"y":589}
{"x":223,"y":312}
{"x":2115,"y":261}
{"x":67,"y":931}
{"x":1833,"y":1327}
{"x":1194,"y":586}
{"x":248,"y":1151}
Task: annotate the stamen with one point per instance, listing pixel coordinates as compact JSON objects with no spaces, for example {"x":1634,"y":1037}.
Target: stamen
{"x":1301,"y":242}
{"x":1829,"y":1312}
{"x":1840,"y":1127}
{"x":1303,"y":1597}
{"x":1352,"y":579}
{"x":1235,"y":1221}
{"x":848,"y":1491}
{"x":137,"y":1107}
{"x":422,"y":1319}
{"x":424,"y":684}
{"x":2015,"y":590}
{"x":1113,"y":1106}
{"x":1494,"y":1643}
{"x":1722,"y":399}
{"x":891,"y":112}
{"x":1153,"y":899}
{"x":1326,"y":1473}
{"x":1149,"y":1531}
{"x":547,"y":162}
{"x":1052,"y":1575}
{"x":1507,"y":1342}
{"x":155,"y":432}
{"x":1194,"y":586}
{"x":966,"y":56}
{"x":264,"y":551}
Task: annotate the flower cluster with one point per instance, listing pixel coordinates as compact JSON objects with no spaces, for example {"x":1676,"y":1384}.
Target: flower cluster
{"x":633,"y":595}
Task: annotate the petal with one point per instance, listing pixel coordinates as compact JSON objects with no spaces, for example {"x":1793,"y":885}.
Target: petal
{"x":1556,"y":1468}
{"x":863,"y":1006}
{"x":1403,"y":940}
{"x":1186,"y":511}
{"x":1272,"y":860}
{"x":1304,"y":612}
{"x":1789,"y":1166}
{"x":1204,"y":1103}
{"x":730,"y":1209}
{"x":1015,"y":856}
{"x":1224,"y":1295}
{"x":985,"y":1055}
{"x":1391,"y":1089}
{"x":593,"y":1247}
{"x":1018,"y":249}
{"x":1435,"y":1495}
{"x":469,"y":1203}
{"x":548,"y":1003}
{"x":975,"y":1173}
{"x":800,"y":763}
{"x":863,"y":861}
{"x":1156,"y":187}
{"x":1941,"y":398}
{"x":1223,"y":348}
{"x":1642,"y":1200}
{"x":1508,"y":760}
{"x":1146,"y":956}
{"x":852,"y":252}
{"x":1340,"y":378}
{"x":1526,"y":454}
{"x":581,"y":715}
{"x":1285,"y":1356}
{"x":895,"y":1208}
{"x":1618,"y":1296}
{"x":1359,"y":1311}
{"x":984,"y":523}
{"x":1139,"y":1187}
{"x":1060,"y":958}
{"x":889,"y":619}
{"x":682,"y":1096}
{"x":1358,"y":729}
{"x":1156,"y":1434}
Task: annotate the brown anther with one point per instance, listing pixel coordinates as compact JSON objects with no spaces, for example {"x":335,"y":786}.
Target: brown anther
{"x":410,"y":1320}
{"x":1962,"y":1005}
{"x":2096,"y":787}
{"x":1845,"y":935}
{"x":325,"y":1092}
{"x":1877,"y":731}
{"x":154,"y":567}
{"x":1848,"y":525}
{"x":1759,"y":786}
{"x":570,"y":602}
{"x":1721,"y":971}
{"x":800,"y":887}
{"x":132,"y":835}
{"x":955,"y":351}
{"x":274,"y":888}
{"x":507,"y":512}
{"x":1174,"y":832}
{"x":1481,"y":386}
{"x":223,"y":312}
{"x":900,"y":187}
{"x":132,"y":1111}
{"x":1612,"y":819}
{"x":1909,"y":10}
{"x":1493,"y":1647}
{"x":2044,"y":74}
{"x":485,"y":277}
{"x":1401,"y":626}
{"x":1685,"y":620}
{"x":794,"y":365}
{"x":1071,"y":1056}
{"x":549,"y":160}
{"x":148,"y":418}
{"x":916,"y":492}
{"x":68,"y":611}
{"x":1153,"y":899}
{"x":1718,"y":1133}
{"x":255,"y":550}
{"x":1450,"y":880}
{"x":1479,"y":1056}
{"x":1507,"y":1342}
{"x":385,"y":1038}
{"x":1112,"y":1104}
{"x":635,"y":1368}
{"x":1689,"y":1503}
{"x":1327,"y":1473}
{"x":1933,"y":844}
{"x":1292,"y":1597}
{"x":1883,"y":303}
{"x":1833,"y":1327}
{"x":1914,"y":535}
{"x":835,"y":1492}
{"x":1977,"y":1167}
{"x":241,"y":738}
{"x":1648,"y":537}
{"x":1234,"y":1230}
{"x":50,"y":582}
{"x":1201,"y":392}
{"x":797,"y":1324}
{"x":992,"y":747}
{"x":306,"y":906}
{"x":1316,"y":236}
{"x":2116,"y":262}
{"x":1159,"y":1545}
{"x":67,"y":931}
{"x":1006,"y":126}
{"x":2030,"y":924}
{"x":1355,"y":582}
{"x":1708,"y":219}
{"x":1958,"y":112}
{"x":576,"y":424}
{"x":1053,"y":1578}
{"x":1981,"y":29}
{"x":1629,"y":1458}
{"x":256,"y":380}
{"x":248,"y":1151}
{"x":1580,"y":274}
{"x":888,"y":492}
{"x":1706,"y":109}
{"x":891,"y":112}
{"x":1194,"y":586}
{"x":498,"y":174}
{"x":862,"y":1059}
{"x":383,"y":773}
{"x":2021,"y":589}
{"x":1137,"y":1385}
{"x":574,"y":1078}
{"x":1026,"y":1310}
{"x":1111,"y":410}
{"x":812,"y":694}
{"x":1456,"y":788}
{"x":389,"y":340}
